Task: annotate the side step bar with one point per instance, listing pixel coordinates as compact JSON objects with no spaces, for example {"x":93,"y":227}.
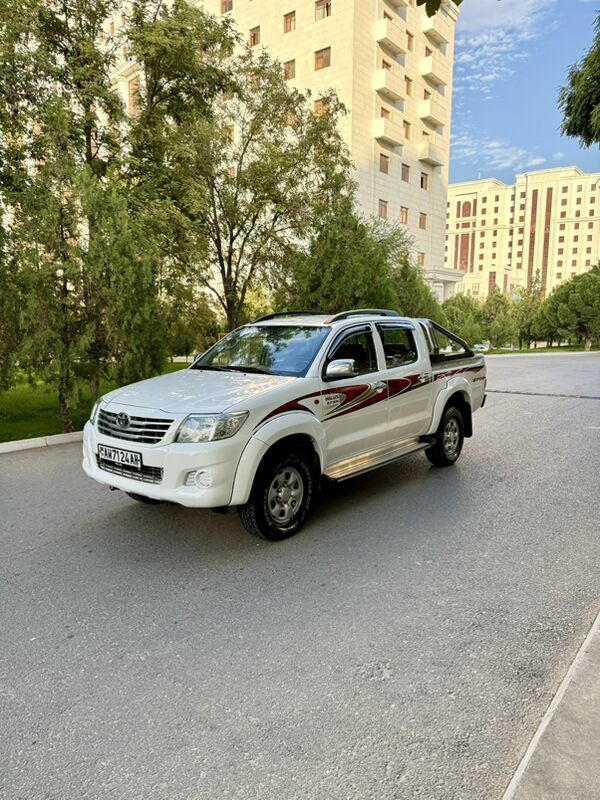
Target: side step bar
{"x":365,"y":462}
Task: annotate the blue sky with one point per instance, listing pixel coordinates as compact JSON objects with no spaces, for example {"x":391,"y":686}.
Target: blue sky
{"x":511,"y":58}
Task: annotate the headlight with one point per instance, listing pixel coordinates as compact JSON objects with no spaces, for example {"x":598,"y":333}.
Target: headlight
{"x":210,"y":427}
{"x":95,"y":408}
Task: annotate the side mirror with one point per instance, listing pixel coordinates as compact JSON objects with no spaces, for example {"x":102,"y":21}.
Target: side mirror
{"x":341,"y":368}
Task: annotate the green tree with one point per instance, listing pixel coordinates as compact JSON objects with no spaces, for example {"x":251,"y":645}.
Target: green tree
{"x":249,"y":178}
{"x":574,"y":307}
{"x":193,"y":325}
{"x":345,"y":265}
{"x":497,"y":322}
{"x":464,"y":315}
{"x":526,"y":309}
{"x":579,"y":99}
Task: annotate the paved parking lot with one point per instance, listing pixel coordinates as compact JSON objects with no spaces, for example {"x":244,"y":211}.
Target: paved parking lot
{"x":405,"y":645}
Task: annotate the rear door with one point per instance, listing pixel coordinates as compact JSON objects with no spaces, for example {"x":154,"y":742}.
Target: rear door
{"x":409,"y":379}
{"x":353,"y":410}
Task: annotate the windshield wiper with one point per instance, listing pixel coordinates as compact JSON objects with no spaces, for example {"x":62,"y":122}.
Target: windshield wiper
{"x":211,"y":368}
{"x":246,"y":368}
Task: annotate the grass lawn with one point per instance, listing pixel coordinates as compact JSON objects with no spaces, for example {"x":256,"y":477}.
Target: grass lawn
{"x":27,"y":411}
{"x":562,"y":349}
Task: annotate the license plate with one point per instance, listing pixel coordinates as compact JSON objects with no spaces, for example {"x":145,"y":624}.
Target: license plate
{"x":120,"y":456}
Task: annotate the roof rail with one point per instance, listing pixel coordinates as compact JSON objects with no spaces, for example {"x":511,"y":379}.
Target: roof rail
{"x":290,"y":314}
{"x":364,"y":312}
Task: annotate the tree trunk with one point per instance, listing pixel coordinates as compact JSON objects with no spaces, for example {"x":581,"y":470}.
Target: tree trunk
{"x":95,"y":385}
{"x":588,"y":343}
{"x":65,"y":407}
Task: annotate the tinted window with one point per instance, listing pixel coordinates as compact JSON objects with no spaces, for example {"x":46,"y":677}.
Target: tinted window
{"x":277,"y":349}
{"x":399,"y":346}
{"x":360,"y":347}
{"x":446,"y":345}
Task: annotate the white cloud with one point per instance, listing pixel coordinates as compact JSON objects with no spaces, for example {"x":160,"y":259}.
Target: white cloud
{"x":489,"y":156}
{"x":494,"y":15}
{"x":492,"y":37}
{"x":558,"y":156}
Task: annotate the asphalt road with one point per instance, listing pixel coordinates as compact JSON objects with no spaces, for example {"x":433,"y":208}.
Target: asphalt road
{"x":405,"y":645}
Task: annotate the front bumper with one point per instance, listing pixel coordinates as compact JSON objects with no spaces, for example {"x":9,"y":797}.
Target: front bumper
{"x":219,"y":460}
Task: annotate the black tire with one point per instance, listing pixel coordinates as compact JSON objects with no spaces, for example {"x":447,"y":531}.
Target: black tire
{"x":449,"y":439}
{"x":266,"y":512}
{"x":151,"y":501}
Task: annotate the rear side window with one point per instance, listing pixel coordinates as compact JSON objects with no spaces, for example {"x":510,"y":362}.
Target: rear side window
{"x":360,"y":347}
{"x":447,"y":346}
{"x":398,"y":345}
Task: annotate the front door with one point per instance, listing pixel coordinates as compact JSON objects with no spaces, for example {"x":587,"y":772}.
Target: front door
{"x":353,"y":410}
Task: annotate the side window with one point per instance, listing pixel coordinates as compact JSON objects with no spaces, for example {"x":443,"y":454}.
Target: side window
{"x":398,"y":345}
{"x":447,"y":345}
{"x":427,"y":333}
{"x":361,"y":348}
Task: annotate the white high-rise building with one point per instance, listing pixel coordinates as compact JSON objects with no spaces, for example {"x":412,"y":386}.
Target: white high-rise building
{"x":391,"y":66}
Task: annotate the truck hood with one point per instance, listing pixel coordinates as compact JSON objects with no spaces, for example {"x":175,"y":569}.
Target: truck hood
{"x":192,"y":390}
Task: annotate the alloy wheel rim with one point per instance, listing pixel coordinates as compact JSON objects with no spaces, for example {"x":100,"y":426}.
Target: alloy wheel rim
{"x":284,"y":498}
{"x":451,"y":437}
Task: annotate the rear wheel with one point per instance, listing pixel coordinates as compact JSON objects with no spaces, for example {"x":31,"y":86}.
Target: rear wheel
{"x":449,"y":439}
{"x":151,"y":501}
{"x":282,"y":495}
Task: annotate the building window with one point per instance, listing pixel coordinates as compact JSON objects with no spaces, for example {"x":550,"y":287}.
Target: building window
{"x":384,"y":163}
{"x":255,"y":36}
{"x":423,"y":221}
{"x":408,"y":84}
{"x":321,"y":107}
{"x":226,"y":5}
{"x":385,"y":64}
{"x":410,"y":42}
{"x":428,"y":51}
{"x":578,"y":201}
{"x":426,"y":94}
{"x":425,"y":182}
{"x":386,"y":113}
{"x":405,"y":173}
{"x":323,"y":58}
{"x":289,"y":22}
{"x":558,"y":276}
{"x":133,"y":96}
{"x":407,"y":130}
{"x":563,"y":214}
{"x":561,"y":238}
{"x":322,"y":9}
{"x":565,"y":189}
{"x":404,"y":215}
{"x":561,"y":227}
{"x":289,"y":70}
{"x":383,"y":209}
{"x":421,"y":259}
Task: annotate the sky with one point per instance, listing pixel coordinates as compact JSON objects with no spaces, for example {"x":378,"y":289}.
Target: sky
{"x":511,"y":58}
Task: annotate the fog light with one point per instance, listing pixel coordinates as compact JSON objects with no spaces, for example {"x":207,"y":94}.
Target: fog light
{"x":199,"y":478}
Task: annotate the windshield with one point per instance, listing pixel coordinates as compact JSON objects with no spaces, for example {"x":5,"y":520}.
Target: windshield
{"x":269,"y":349}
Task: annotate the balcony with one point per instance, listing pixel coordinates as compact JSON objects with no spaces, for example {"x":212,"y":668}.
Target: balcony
{"x":384,"y":130}
{"x":435,"y":69}
{"x":399,"y":3}
{"x":390,"y":36}
{"x":430,"y":154}
{"x":389,"y":84}
{"x":437,"y":28}
{"x":432,"y":112}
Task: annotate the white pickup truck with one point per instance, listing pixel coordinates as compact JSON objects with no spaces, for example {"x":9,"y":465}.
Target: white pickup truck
{"x":262,"y":416}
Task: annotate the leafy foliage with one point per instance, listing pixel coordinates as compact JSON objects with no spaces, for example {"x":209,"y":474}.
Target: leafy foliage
{"x":574,"y":308}
{"x":579,"y":100}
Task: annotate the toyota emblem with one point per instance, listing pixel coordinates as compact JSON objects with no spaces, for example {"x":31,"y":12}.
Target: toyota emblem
{"x":123,"y":420}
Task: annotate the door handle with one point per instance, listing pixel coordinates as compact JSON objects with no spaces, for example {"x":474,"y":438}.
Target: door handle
{"x":424,"y":377}
{"x":380,"y":387}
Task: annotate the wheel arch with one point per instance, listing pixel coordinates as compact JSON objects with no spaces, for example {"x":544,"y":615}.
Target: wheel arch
{"x":292,"y":432}
{"x":461,"y":401}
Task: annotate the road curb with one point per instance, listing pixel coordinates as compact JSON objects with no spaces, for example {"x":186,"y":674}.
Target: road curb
{"x":40,"y":441}
{"x":514,"y":785}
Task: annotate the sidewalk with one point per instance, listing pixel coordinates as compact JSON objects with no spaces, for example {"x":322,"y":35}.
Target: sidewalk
{"x":563,"y":759}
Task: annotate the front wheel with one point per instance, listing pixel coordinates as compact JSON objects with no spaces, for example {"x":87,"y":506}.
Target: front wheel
{"x":282,"y":495}
{"x":449,"y":439}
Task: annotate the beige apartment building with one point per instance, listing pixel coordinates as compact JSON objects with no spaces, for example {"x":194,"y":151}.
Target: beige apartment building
{"x":391,"y":66}
{"x":500,"y":235}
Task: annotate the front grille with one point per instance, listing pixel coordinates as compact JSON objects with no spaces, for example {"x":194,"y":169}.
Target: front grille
{"x":145,"y":430}
{"x":145,"y":474}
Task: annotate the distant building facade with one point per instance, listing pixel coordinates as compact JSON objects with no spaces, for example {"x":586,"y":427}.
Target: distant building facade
{"x":546,"y":223}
